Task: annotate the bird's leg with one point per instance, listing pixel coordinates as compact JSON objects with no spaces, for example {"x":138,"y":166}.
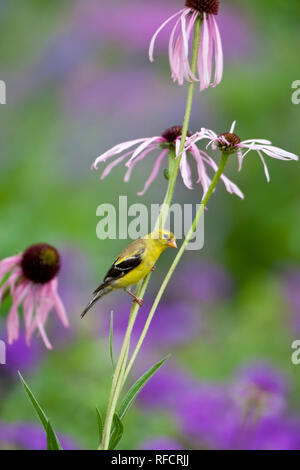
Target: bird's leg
{"x":135,"y":298}
{"x":153,"y":268}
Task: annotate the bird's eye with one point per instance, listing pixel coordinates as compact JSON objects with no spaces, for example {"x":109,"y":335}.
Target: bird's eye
{"x":166,"y":237}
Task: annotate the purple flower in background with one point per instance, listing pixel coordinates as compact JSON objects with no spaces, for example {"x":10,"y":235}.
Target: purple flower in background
{"x":20,"y":357}
{"x":166,"y":389}
{"x":28,"y":436}
{"x":203,"y":281}
{"x":260,"y":390}
{"x":84,"y":90}
{"x":208,"y":416}
{"x":276,"y":433}
{"x":112,"y":21}
{"x":174,"y":325}
{"x":227,"y":415}
{"x":210,"y":49}
{"x":160,"y":443}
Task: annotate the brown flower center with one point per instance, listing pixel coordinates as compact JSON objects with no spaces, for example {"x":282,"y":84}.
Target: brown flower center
{"x":228,"y":142}
{"x":204,"y":6}
{"x":173,"y":133}
{"x":40,"y":263}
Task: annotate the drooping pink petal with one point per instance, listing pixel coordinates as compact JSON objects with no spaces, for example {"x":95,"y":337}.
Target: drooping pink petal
{"x":13,"y":316}
{"x":144,"y":145}
{"x":12,"y":324}
{"x":59,"y":307}
{"x":31,"y":325}
{"x":184,"y":167}
{"x":185,"y":39}
{"x":28,"y":309}
{"x":42,"y":304}
{"x":189,"y":76}
{"x":43,"y":334}
{"x":8,"y":263}
{"x":177,"y":71}
{"x":249,"y":148}
{"x":138,"y":159}
{"x":240,"y":159}
{"x":278,"y":153}
{"x":218,"y":50}
{"x":111,"y":165}
{"x":265,"y":165}
{"x":10,"y":283}
{"x":172,"y":57}
{"x":154,"y":172}
{"x":202,"y":175}
{"x":183,"y":69}
{"x":204,"y":64}
{"x":42,"y":311}
{"x":152,"y":42}
{"x":229,"y":185}
{"x":116,"y":150}
{"x":185,"y":171}
{"x":257,"y":141}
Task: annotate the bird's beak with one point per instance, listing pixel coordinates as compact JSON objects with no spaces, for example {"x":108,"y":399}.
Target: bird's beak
{"x":172,"y":243}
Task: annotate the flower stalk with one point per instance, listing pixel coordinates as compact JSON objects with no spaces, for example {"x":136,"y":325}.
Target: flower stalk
{"x":174,"y":164}
{"x":189,"y":235}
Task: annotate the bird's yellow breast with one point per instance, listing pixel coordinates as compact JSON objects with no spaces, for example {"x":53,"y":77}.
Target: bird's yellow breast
{"x":150,"y":257}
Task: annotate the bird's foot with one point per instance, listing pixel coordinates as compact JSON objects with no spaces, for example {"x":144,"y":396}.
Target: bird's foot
{"x":138,"y":301}
{"x":135,"y":298}
{"x":153,"y":268}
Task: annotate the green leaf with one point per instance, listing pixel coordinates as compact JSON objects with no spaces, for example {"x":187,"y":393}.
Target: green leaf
{"x":118,"y":427}
{"x":137,"y":386}
{"x":117,"y":432}
{"x":100,"y":424}
{"x":52,"y":440}
{"x":38,"y":409}
{"x":111,"y":337}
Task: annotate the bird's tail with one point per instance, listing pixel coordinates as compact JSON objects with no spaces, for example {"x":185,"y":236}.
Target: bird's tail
{"x":100,"y":292}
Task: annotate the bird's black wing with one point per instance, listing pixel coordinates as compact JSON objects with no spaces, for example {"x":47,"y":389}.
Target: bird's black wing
{"x":119,"y":269}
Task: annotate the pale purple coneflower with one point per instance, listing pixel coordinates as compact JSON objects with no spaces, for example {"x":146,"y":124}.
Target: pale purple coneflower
{"x":210,"y":54}
{"x":170,"y":138}
{"x":230,"y":143}
{"x":32,"y":282}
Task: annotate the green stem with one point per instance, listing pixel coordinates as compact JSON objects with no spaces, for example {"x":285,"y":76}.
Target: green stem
{"x":200,"y":211}
{"x":119,"y":371}
{"x":174,"y":164}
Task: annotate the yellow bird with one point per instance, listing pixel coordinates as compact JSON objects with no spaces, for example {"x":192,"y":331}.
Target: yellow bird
{"x":133,"y":264}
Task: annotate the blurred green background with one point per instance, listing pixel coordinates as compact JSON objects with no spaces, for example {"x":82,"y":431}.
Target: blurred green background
{"x":78,"y":82}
